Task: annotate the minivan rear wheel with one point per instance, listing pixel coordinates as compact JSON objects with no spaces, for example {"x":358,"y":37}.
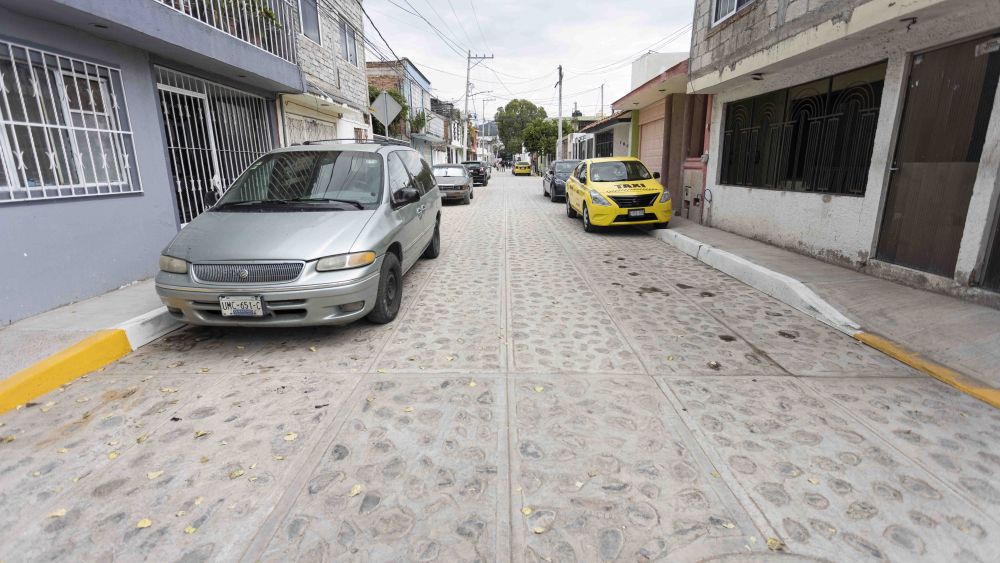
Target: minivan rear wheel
{"x":390,"y":291}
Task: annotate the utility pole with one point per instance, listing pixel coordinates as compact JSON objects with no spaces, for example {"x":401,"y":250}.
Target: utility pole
{"x":601,"y":113}
{"x":468,"y":87}
{"x":559,"y":138}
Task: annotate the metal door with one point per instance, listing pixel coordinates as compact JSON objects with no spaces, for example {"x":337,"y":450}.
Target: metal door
{"x":941,"y":136}
{"x":194,"y":162}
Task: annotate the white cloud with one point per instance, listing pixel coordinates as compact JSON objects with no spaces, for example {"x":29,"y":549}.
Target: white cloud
{"x":529,"y":39}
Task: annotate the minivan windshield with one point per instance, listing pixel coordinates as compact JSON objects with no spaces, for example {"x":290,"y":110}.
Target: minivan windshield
{"x":314,"y":179}
{"x":621,"y":171}
{"x":450,"y":171}
{"x":566,"y":166}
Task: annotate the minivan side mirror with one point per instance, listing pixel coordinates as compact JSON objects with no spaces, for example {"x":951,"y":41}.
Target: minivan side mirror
{"x":405,"y":197}
{"x":656,"y":175}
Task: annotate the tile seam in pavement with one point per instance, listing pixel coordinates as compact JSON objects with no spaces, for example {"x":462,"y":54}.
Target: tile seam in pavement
{"x":889,"y":444}
{"x":965,"y":383}
{"x":269,"y":527}
{"x":743,"y":500}
{"x":590,"y":283}
{"x":257,"y":545}
{"x":397,"y":324}
{"x":505,"y":514}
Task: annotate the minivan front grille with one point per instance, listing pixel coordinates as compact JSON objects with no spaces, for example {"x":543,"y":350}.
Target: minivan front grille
{"x":248,"y":273}
{"x":634,"y":200}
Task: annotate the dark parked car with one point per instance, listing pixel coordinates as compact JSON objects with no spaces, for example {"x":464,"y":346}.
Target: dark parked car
{"x":554,"y":181}
{"x":477,"y":171}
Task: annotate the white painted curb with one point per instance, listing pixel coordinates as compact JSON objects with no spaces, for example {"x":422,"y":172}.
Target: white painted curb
{"x":148,"y":327}
{"x":783,"y":288}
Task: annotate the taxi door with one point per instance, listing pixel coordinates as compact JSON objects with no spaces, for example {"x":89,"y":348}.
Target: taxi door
{"x":575,"y":186}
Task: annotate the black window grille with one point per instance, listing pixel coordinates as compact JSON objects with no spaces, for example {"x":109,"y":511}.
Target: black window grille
{"x":604,"y":144}
{"x":815,"y":137}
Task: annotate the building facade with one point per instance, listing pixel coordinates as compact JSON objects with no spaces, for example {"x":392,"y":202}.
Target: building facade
{"x":122,"y":120}
{"x":331,"y":54}
{"x":404,"y":77}
{"x":863,"y":132}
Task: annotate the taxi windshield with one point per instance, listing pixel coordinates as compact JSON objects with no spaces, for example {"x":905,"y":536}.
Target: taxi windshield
{"x":621,"y":171}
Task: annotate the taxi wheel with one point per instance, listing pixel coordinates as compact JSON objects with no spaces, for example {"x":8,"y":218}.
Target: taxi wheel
{"x":587,"y":225}
{"x":570,"y":212}
{"x":390,"y":291}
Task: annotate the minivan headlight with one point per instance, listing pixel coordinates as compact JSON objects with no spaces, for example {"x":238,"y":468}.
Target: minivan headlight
{"x":173,"y":265}
{"x":666,"y":196}
{"x":598,"y":199}
{"x":345,"y":261}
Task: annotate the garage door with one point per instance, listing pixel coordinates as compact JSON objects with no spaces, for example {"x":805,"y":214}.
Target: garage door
{"x":651,"y":145}
{"x":300,"y":129}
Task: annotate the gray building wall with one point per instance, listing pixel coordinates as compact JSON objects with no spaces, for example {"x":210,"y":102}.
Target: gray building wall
{"x":757,"y":26}
{"x":59,"y":251}
{"x":320,"y":62}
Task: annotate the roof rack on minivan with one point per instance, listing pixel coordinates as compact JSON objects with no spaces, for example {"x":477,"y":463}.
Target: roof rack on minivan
{"x":378,"y":140}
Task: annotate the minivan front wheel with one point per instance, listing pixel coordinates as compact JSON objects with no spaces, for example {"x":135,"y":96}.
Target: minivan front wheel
{"x":390,"y":291}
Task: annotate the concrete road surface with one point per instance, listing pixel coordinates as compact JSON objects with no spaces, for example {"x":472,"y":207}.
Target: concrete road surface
{"x":545,"y":395}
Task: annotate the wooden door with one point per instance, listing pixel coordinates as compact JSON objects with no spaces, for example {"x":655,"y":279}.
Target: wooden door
{"x":942,"y":130}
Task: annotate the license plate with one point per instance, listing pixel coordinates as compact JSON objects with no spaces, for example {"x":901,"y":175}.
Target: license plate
{"x":636,"y":212}
{"x":241,"y":306}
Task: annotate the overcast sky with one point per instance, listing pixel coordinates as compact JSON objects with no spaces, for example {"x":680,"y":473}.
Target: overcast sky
{"x":594,"y":40}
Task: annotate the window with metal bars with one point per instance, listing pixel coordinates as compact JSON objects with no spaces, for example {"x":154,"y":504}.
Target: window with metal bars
{"x":213,"y":134}
{"x":815,"y":137}
{"x":604,"y":144}
{"x":64,"y":128}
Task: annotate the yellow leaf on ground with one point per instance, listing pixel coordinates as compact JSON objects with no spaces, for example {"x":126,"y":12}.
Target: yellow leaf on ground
{"x":728,"y":525}
{"x":200,"y":433}
{"x":190,"y":530}
{"x":236,"y":473}
{"x":472,"y":384}
{"x":113,"y":455}
{"x":539,"y":389}
{"x":180,"y":513}
{"x":526,"y":510}
{"x":142,"y":438}
{"x":58,"y":513}
{"x":290,"y":437}
{"x":380,"y":370}
{"x":83,"y":399}
{"x":774,"y":544}
{"x":355,"y":491}
{"x":198,"y":501}
{"x":144,"y":523}
{"x":154,"y":474}
{"x":205,"y":370}
{"x":9,"y":439}
{"x":538,"y":530}
{"x":814,"y":480}
{"x":279,"y":457}
{"x":167,"y":390}
{"x":312,"y":348}
{"x":63,"y":450}
{"x":408,"y":409}
{"x":253,"y":466}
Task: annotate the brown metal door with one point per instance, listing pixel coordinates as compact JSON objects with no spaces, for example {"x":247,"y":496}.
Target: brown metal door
{"x":941,"y":137}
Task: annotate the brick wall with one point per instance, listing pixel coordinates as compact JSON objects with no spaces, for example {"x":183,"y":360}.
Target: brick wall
{"x":321,"y":62}
{"x":755,"y":27}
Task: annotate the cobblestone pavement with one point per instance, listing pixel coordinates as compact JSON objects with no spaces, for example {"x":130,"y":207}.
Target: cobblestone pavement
{"x":545,"y":395}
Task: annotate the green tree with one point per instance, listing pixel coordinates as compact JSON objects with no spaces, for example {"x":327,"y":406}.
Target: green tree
{"x":396,"y":127}
{"x":540,"y":136}
{"x":512,"y":121}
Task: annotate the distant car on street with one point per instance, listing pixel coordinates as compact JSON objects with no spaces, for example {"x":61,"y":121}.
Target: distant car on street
{"x":308,"y":235}
{"x":477,"y":171}
{"x":454,"y":182}
{"x":522,"y":168}
{"x":617,"y":191}
{"x":554,"y":181}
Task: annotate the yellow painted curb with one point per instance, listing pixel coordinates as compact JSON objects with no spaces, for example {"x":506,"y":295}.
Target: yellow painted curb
{"x":964,"y":383}
{"x":95,"y":351}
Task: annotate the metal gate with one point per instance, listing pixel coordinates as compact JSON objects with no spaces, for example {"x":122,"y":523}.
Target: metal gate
{"x":941,"y":138}
{"x":213,"y":133}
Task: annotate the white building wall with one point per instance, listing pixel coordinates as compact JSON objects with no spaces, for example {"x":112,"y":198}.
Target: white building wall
{"x":841,"y":228}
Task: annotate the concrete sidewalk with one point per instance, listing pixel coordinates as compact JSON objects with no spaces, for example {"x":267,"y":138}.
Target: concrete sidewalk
{"x":955,"y":333}
{"x":31,"y":340}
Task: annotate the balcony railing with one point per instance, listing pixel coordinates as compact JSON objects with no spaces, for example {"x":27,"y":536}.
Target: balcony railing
{"x":266,"y":24}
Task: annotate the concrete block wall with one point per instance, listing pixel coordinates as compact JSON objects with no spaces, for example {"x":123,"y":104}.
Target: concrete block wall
{"x":755,"y":27}
{"x":321,"y":61}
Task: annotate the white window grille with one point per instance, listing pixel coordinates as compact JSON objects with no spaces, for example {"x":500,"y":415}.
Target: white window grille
{"x":726,"y":8}
{"x":64,"y":128}
{"x":213,"y":132}
{"x":266,"y":24}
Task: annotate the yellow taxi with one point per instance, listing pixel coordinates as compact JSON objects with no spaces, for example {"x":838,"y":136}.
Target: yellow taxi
{"x":522,"y":168}
{"x":617,"y":191}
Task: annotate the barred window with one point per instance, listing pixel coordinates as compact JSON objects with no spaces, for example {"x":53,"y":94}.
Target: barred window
{"x":815,"y":137}
{"x":64,"y":128}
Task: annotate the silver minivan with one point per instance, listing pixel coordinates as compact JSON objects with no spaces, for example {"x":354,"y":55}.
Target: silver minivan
{"x":308,"y":235}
